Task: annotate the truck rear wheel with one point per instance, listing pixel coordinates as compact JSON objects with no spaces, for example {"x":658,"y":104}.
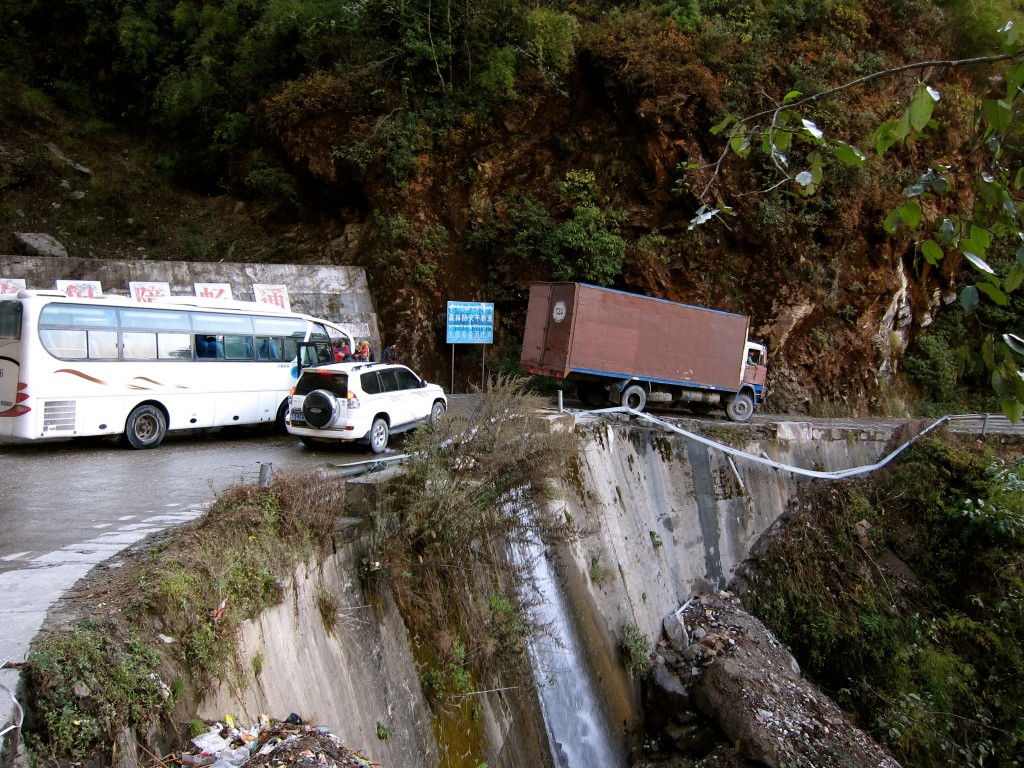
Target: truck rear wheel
{"x":634,"y":397}
{"x":591,"y":394}
{"x":741,"y":409}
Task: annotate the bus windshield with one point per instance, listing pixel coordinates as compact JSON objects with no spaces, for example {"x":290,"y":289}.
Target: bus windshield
{"x":10,"y":320}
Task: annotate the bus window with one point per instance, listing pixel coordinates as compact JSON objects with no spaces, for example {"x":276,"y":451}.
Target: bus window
{"x":290,"y":348}
{"x":155,"y":319}
{"x":153,"y":346}
{"x":79,"y":345}
{"x":139,"y":346}
{"x":217,"y":324}
{"x":269,"y":348}
{"x":173,"y":346}
{"x":319,"y":333}
{"x":238,"y":347}
{"x":280,"y":326}
{"x":83,"y":342}
{"x":77,"y":316}
{"x":10,"y":320}
{"x":208,"y":346}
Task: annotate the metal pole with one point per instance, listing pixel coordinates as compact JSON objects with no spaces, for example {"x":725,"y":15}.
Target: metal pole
{"x":265,"y":474}
{"x":483,"y":357}
{"x":453,"y":369}
{"x":560,"y":410}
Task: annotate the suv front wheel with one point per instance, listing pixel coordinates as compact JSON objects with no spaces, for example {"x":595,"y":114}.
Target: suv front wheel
{"x":379,"y":434}
{"x":436,"y":411}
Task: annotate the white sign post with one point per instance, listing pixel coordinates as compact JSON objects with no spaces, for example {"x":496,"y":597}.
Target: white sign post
{"x":213,"y":290}
{"x":80,"y":289}
{"x":148,"y":292}
{"x":276,"y":295}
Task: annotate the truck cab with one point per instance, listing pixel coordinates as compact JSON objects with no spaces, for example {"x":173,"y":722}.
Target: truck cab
{"x":755,"y":366}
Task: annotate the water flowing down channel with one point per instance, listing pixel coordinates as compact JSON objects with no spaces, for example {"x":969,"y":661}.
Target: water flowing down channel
{"x":576,"y":724}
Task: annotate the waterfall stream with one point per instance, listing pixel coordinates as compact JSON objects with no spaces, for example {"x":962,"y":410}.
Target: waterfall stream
{"x":575,"y":721}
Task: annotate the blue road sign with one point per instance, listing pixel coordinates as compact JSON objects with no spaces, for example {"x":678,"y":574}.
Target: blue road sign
{"x":470,"y":322}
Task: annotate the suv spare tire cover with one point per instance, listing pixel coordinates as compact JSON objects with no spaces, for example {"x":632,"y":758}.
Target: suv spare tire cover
{"x":320,"y":408}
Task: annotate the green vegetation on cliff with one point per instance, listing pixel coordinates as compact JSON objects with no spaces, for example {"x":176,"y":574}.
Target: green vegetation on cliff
{"x":901,"y":595}
{"x":489,"y":144}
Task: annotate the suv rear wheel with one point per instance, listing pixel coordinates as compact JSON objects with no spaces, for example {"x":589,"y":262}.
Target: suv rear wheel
{"x":379,"y":434}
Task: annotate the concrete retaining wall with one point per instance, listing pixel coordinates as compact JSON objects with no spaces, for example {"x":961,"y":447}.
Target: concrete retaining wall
{"x":663,"y":518}
{"x":361,"y":673}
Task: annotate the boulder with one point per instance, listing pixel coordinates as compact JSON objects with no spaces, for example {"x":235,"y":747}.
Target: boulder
{"x":744,"y":681}
{"x":41,"y":244}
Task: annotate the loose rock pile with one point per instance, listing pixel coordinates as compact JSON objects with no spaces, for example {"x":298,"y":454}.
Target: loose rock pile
{"x":723,"y":692}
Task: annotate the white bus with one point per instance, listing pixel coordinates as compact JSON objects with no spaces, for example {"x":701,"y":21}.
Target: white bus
{"x":74,"y":367}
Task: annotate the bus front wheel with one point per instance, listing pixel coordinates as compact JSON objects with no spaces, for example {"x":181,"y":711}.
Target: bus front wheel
{"x":146,"y":427}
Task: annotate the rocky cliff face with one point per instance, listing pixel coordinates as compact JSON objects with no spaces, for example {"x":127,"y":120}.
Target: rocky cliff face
{"x":835,"y":298}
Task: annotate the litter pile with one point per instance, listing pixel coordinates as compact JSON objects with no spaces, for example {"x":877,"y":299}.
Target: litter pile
{"x":270,"y":743}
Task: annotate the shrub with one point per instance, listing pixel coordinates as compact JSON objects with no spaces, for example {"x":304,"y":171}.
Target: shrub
{"x":272,"y":182}
{"x":636,"y":649}
{"x":86,"y":677}
{"x":553,"y":37}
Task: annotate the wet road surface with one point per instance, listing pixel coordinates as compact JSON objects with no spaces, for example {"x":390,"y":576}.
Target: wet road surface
{"x":55,"y":494}
{"x":66,"y":506}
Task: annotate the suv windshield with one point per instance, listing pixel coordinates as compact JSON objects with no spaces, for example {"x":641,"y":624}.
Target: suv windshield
{"x":333,"y":381}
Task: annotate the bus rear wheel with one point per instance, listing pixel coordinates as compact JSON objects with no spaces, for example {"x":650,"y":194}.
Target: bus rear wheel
{"x":146,"y":427}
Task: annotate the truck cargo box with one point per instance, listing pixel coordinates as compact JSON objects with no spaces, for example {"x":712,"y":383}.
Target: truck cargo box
{"x":584,"y":329}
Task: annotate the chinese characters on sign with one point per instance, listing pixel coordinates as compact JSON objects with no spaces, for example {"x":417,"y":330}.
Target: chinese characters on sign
{"x":276,"y":295}
{"x":80,"y":289}
{"x":11,"y":284}
{"x":470,"y":322}
{"x":213,"y":290}
{"x":148,"y":292}
{"x":356,"y":330}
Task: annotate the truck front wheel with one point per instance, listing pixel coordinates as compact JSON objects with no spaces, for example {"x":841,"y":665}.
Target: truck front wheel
{"x":634,"y":397}
{"x":742,"y":408}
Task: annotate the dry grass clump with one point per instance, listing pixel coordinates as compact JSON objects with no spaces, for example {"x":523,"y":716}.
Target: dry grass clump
{"x":450,"y":533}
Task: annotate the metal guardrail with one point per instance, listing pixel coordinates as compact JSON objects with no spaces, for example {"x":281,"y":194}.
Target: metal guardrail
{"x":378,"y":464}
{"x":982,"y":424}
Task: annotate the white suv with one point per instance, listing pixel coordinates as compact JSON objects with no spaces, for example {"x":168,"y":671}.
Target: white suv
{"x":361,"y":401}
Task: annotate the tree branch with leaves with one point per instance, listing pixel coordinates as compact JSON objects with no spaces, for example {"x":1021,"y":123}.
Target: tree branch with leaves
{"x":964,"y":209}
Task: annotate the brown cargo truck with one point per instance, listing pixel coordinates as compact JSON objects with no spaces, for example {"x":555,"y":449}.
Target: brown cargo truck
{"x":627,"y":349}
